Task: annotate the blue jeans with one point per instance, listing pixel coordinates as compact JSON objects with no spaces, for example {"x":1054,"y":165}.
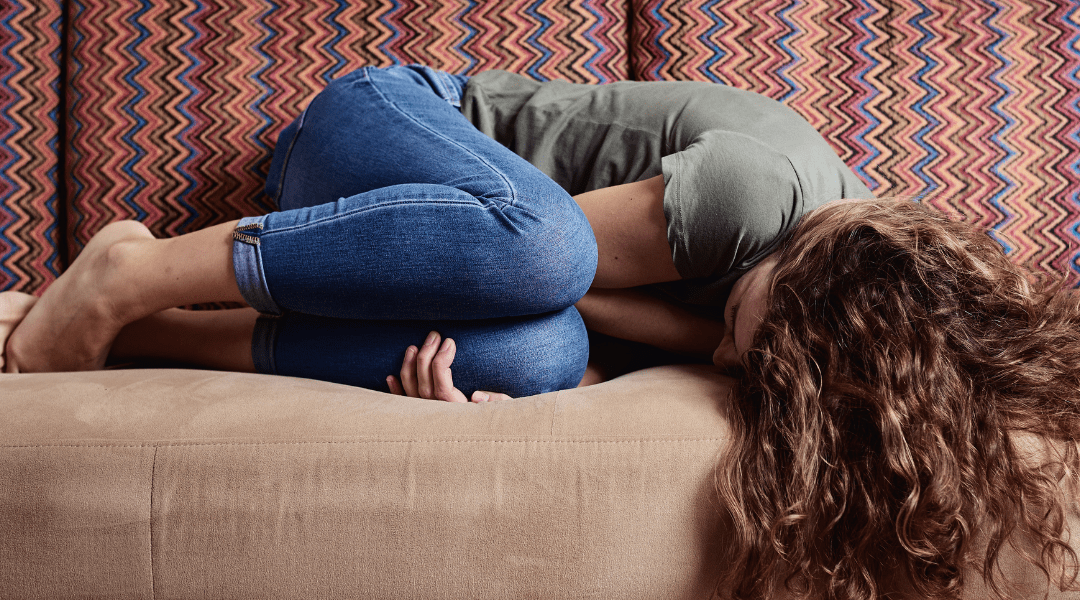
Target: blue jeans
{"x":398,"y":217}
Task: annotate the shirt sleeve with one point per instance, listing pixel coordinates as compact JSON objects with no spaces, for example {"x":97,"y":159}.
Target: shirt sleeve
{"x":728,"y":198}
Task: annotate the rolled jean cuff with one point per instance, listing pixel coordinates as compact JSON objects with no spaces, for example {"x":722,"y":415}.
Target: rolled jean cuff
{"x":263,"y":341}
{"x":248,"y":266}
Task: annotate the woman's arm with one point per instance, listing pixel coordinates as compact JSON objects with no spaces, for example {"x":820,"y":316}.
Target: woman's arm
{"x":631,"y":234}
{"x":634,"y":315}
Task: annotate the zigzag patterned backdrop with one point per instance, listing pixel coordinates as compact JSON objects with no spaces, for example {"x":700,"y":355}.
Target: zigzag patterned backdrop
{"x":971,"y":104}
{"x":175,"y":105}
{"x":29,"y":102}
{"x":172,"y":105}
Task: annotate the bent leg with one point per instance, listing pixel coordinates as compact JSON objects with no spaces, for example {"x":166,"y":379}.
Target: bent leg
{"x":419,"y":251}
{"x":395,"y":206}
{"x":519,"y":356}
{"x":375,"y":128}
{"x":544,"y":258}
{"x":214,"y":339}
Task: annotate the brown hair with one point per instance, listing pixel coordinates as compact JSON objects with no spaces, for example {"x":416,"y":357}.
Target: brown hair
{"x":878,"y":416}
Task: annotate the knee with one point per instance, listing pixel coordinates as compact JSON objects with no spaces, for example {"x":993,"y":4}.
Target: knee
{"x":561,"y":256}
{"x":555,"y":352}
{"x":538,"y":354}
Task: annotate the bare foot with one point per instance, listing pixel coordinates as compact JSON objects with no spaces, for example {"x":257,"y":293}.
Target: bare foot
{"x":73,"y":325}
{"x":13,"y":308}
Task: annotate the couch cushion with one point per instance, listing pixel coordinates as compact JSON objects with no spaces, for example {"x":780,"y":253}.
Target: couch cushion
{"x":30,"y":226}
{"x":189,"y":484}
{"x":176,"y":106}
{"x":197,"y":484}
{"x":971,"y":103}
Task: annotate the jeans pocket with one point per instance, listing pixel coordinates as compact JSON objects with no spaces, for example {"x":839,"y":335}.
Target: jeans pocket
{"x":446,"y":86}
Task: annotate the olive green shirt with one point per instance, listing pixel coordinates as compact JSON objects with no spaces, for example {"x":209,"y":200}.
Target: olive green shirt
{"x":739,"y":169}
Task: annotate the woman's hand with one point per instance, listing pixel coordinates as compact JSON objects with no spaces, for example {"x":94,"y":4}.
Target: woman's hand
{"x":425,"y":373}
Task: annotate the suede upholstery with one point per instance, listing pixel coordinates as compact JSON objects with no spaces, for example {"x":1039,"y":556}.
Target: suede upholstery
{"x":194,"y":484}
{"x":186,"y":484}
{"x":197,"y":484}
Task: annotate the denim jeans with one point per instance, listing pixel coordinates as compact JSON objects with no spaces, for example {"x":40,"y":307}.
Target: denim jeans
{"x":398,"y":217}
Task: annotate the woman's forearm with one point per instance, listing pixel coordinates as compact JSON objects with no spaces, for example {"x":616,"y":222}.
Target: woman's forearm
{"x":631,"y":314}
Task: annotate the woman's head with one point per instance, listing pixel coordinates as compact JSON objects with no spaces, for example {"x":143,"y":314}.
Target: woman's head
{"x":897,"y":351}
{"x":744,"y":310}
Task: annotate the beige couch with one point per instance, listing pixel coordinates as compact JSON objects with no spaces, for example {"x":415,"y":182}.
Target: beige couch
{"x":199,"y":484}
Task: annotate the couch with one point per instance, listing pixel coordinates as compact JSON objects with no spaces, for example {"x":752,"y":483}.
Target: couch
{"x":176,"y":483}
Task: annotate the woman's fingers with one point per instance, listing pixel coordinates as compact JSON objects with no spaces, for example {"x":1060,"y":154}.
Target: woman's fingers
{"x":479,"y":396}
{"x":425,"y":387}
{"x":425,"y":373}
{"x":408,"y":373}
{"x":442,"y":379}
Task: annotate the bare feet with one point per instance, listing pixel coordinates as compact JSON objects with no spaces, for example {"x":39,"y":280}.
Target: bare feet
{"x":73,"y":325}
{"x":13,"y":308}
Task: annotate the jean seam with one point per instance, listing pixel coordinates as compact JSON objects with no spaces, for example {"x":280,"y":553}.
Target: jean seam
{"x":447,"y":90}
{"x":513,"y":192}
{"x":288,"y":155}
{"x":355,"y":211}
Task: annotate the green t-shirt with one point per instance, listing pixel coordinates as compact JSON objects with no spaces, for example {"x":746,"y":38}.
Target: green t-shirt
{"x":739,"y":169}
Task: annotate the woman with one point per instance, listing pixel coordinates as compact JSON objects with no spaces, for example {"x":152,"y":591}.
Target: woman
{"x":890,"y":356}
{"x":413,"y":200}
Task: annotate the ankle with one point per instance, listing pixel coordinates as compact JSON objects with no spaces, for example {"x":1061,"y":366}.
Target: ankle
{"x":123,"y":273}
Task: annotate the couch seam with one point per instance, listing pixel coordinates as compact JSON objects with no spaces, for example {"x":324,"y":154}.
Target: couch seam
{"x":63,"y":156}
{"x":631,"y":66}
{"x":554,"y":413}
{"x":153,"y":474}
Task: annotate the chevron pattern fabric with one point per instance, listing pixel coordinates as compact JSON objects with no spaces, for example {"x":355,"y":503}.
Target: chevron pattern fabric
{"x":31,"y":238}
{"x":970,"y":105}
{"x":169,"y":109}
{"x":175,"y":106}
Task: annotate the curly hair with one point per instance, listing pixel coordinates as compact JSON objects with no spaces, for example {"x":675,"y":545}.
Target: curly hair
{"x":879,"y":415}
